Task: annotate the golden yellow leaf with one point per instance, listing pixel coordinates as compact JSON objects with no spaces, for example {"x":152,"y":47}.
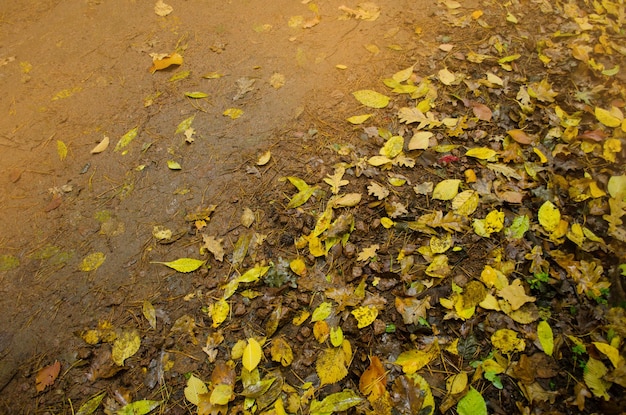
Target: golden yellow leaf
{"x":336,"y":336}
{"x":92,"y":261}
{"x":160,"y":61}
{"x":593,"y":375}
{"x":195,"y":387}
{"x":544,"y":333}
{"x":264,"y":158}
{"x":611,"y":352}
{"x":126,"y":139}
{"x":507,"y":342}
{"x":125,"y":346}
{"x":607,"y":118}
{"x":219,"y":311}
{"x":331,"y":366}
{"x":183,"y":264}
{"x":298,"y":267}
{"x":233,"y":113}
{"x":321,"y":331}
{"x":456,"y":383}
{"x":481,"y":153}
{"x":440,"y":245}
{"x":371,"y":98}
{"x":549,"y":216}
{"x":515,"y":295}
{"x":446,"y":189}
{"x":251,"y":354}
{"x":149,"y":313}
{"x":359,"y":119}
{"x":439,"y":267}
{"x":465,"y":203}
{"x":365,"y":315}
{"x":301,"y":318}
{"x":413,"y":360}
{"x":61,"y":150}
{"x":281,"y":351}
{"x":368,"y":253}
{"x":322,"y":311}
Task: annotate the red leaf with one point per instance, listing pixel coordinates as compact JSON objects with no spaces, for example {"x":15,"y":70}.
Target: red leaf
{"x":47,"y":375}
{"x":447,"y":159}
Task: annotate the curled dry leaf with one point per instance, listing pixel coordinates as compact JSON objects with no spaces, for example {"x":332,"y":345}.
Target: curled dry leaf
{"x":101,"y":146}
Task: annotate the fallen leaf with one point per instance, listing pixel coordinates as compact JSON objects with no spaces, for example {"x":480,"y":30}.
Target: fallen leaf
{"x":264,"y":158}
{"x":365,"y":315}
{"x":149,"y":313}
{"x":195,"y":387}
{"x":277,"y":80}
{"x":507,"y":342}
{"x":214,"y":246}
{"x":336,"y":402}
{"x":371,"y":98}
{"x":103,"y":145}
{"x":142,"y":407}
{"x":549,"y":216}
{"x":373,"y":381}
{"x":162,"y":61}
{"x":219,"y":312}
{"x":92,"y":262}
{"x":162,"y":9}
{"x":61,"y":150}
{"x":90,"y":406}
{"x":446,"y":189}
{"x":126,"y":139}
{"x":281,"y":352}
{"x":368,"y":253}
{"x":125,"y":346}
{"x":183,"y":264}
{"x":472,"y":403}
{"x":251,"y":355}
{"x":359,"y":119}
{"x":47,"y":375}
{"x":331,"y":366}
{"x":545,"y":336}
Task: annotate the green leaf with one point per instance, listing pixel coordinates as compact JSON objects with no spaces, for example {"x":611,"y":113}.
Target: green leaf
{"x":472,"y":403}
{"x":337,"y":402}
{"x":139,"y":407}
{"x":91,"y":405}
{"x":322,"y":312}
{"x":183,"y":264}
{"x":518,"y":228}
{"x":8,"y":262}
{"x":301,"y":198}
{"x":544,"y":333}
{"x":173,"y":165}
{"x":126,"y":139}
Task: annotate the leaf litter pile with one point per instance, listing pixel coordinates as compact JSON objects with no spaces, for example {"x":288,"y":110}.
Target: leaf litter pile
{"x":451,"y":242}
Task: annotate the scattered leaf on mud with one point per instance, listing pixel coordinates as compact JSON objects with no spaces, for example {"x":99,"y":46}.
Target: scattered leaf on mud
{"x":61,"y":150}
{"x":91,"y":405}
{"x":139,"y":407}
{"x":371,"y":98}
{"x":281,"y":351}
{"x":264,"y":158}
{"x":162,"y":61}
{"x":233,"y":113}
{"x":214,"y":246}
{"x":219,"y":311}
{"x":195,"y":387}
{"x":162,"y":9}
{"x":251,"y":355}
{"x":365,"y":315}
{"x":8,"y":262}
{"x":359,"y":119}
{"x":103,"y":145}
{"x":92,"y":262}
{"x":47,"y":375}
{"x":125,"y":346}
{"x":196,"y":94}
{"x":331,"y":365}
{"x":184,"y":125}
{"x":277,"y":80}
{"x":183,"y":264}
{"x":173,"y":165}
{"x":126,"y":139}
{"x":149,"y":313}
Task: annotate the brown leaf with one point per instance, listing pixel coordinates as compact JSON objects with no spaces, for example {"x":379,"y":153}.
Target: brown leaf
{"x":47,"y":375}
{"x":223,"y":374}
{"x":481,"y":111}
{"x":53,"y":204}
{"x":520,"y":136}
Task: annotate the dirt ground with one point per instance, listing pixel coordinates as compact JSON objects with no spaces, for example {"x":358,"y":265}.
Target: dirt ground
{"x":76,"y":71}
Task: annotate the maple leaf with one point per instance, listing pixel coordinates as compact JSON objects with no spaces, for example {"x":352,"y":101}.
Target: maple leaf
{"x":335,"y":181}
{"x":414,"y":115}
{"x":542,"y":91}
{"x":368,"y":253}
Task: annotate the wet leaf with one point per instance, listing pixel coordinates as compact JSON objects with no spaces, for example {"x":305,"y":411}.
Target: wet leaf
{"x":125,"y":346}
{"x":507,"y":341}
{"x":371,"y":98}
{"x":281,"y":351}
{"x":251,"y":354}
{"x":126,"y":139}
{"x":549,"y":216}
{"x":253,"y":274}
{"x":413,"y":360}
{"x":183,"y":264}
{"x":298,"y":267}
{"x":219,"y":311}
{"x":331,"y":366}
{"x":92,"y":262}
{"x":336,"y":402}
{"x":61,"y":150}
{"x":46,"y":376}
{"x":103,"y":145}
{"x":322,"y":312}
{"x":365,"y":315}
{"x":91,"y":405}
{"x":373,"y":381}
{"x":446,"y":189}
{"x":149,"y":313}
{"x":139,"y":407}
{"x":544,"y":334}
{"x":472,"y":403}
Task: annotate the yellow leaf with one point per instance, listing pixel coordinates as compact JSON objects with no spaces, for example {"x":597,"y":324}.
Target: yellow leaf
{"x":251,"y":355}
{"x":195,"y":387}
{"x":149,"y":313}
{"x":221,"y":394}
{"x":386,"y":222}
{"x":365,"y":315}
{"x":420,"y":140}
{"x":347,"y":200}
{"x":173,"y":165}
{"x":233,"y":113}
{"x":465,"y":203}
{"x":184,"y":125}
{"x":281,"y":351}
{"x":481,"y":153}
{"x":371,"y":98}
{"x":160,"y":61}
{"x":544,"y":333}
{"x":440,"y":245}
{"x":446,"y":189}
{"x":456,"y":383}
{"x":331,"y":366}
{"x":277,"y":80}
{"x":507,"y":341}
{"x":336,"y":336}
{"x":413,"y":360}
{"x":611,"y":352}
{"x":368,"y":253}
{"x":126,"y":139}
{"x":61,"y":150}
{"x":549,"y":216}
{"x":219,"y":311}
{"x":264,"y":158}
{"x":607,"y":118}
{"x":593,"y":375}
{"x":298,"y":267}
{"x":392,"y":147}
{"x":515,"y":295}
{"x":125,"y":346}
{"x":322,"y":311}
{"x":103,"y":145}
{"x":359,"y":119}
{"x":403,"y":75}
{"x":439,"y":267}
{"x":183,"y":264}
{"x":253,"y":274}
{"x":300,"y":318}
{"x":446,"y":77}
{"x":377,"y":161}
{"x":321,"y":331}
{"x":92,"y":262}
